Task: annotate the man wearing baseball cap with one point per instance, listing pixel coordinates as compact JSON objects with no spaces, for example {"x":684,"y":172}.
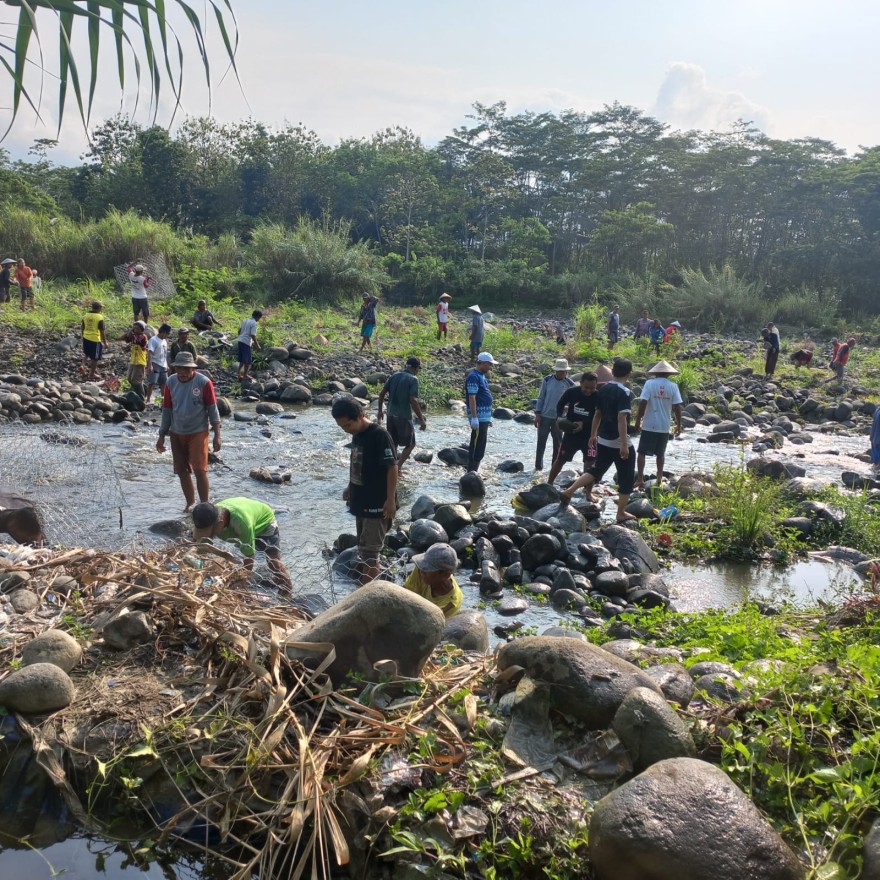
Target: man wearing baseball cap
{"x":552,"y":388}
{"x":433,"y":579}
{"x":479,"y":405}
{"x":189,"y":404}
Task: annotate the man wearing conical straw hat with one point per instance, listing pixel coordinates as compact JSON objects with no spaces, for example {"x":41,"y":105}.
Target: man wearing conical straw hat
{"x":660,"y":398}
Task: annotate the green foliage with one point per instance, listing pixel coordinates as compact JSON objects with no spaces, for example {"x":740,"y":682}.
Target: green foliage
{"x":719,"y":298}
{"x":750,"y":508}
{"x":121,"y":18}
{"x":314,"y":261}
{"x":861,"y":524}
{"x":589,"y":321}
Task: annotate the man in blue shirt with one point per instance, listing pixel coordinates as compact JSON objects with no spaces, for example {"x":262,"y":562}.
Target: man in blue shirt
{"x":479,"y":404}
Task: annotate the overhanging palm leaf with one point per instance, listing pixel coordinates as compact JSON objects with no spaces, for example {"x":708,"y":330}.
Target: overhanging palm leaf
{"x":146,"y":18}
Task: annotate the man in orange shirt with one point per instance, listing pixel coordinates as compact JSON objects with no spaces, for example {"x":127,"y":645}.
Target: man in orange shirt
{"x":23,"y":277}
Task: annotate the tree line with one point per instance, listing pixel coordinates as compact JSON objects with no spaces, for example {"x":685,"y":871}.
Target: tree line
{"x":511,"y":205}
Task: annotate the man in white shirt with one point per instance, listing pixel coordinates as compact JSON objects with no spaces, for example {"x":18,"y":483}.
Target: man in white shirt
{"x":247,"y":339}
{"x":140,"y":281}
{"x":157,"y":361}
{"x":660,"y":398}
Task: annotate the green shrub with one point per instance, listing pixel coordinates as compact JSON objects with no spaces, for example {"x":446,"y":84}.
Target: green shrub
{"x":589,"y":320}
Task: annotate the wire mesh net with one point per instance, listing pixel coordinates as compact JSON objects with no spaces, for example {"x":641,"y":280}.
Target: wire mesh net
{"x":161,"y":284}
{"x":72,"y":481}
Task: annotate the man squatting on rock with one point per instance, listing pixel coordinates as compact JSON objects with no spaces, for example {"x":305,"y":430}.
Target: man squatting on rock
{"x":372,"y":487}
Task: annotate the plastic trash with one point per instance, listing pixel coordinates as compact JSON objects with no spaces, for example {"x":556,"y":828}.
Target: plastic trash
{"x":669,"y":512}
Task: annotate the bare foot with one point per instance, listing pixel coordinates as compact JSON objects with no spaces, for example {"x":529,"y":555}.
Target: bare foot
{"x":626,"y":517}
{"x":189,"y":507}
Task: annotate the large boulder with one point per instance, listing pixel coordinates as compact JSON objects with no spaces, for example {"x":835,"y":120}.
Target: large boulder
{"x":454,"y":455}
{"x":539,"y":550}
{"x":295,"y":394}
{"x":453,"y":518}
{"x":774,"y":469}
{"x":381,"y":621}
{"x":538,"y":496}
{"x":425,"y":532}
{"x":423,"y":507}
{"x":34,"y":690}
{"x":52,"y":646}
{"x":650,"y":730}
{"x":468,"y":630}
{"x":585,"y":681}
{"x":566,"y":518}
{"x":629,"y":546}
{"x":471,"y":485}
{"x":683,"y":819}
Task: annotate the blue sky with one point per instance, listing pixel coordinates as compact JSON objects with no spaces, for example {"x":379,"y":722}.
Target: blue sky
{"x":344,"y":68}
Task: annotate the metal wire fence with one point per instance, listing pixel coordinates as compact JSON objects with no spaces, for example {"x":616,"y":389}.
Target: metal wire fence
{"x":161,"y":285}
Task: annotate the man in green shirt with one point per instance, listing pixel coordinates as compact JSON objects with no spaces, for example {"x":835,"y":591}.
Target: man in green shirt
{"x":402,"y":391}
{"x":248,"y":523}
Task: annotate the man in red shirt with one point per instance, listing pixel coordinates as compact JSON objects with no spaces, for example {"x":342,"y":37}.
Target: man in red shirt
{"x":23,"y":277}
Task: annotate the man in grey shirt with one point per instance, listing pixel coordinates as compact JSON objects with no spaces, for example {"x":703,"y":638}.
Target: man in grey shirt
{"x":189,"y":405}
{"x":402,"y":392}
{"x":552,"y":388}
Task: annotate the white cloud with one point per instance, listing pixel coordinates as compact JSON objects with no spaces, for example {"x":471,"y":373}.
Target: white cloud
{"x":687,"y":100}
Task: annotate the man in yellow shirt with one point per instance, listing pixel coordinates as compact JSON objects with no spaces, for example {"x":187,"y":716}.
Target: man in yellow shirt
{"x":93,"y":338}
{"x":137,"y":367}
{"x":432,"y":578}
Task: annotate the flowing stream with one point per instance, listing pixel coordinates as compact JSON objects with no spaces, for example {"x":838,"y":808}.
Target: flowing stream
{"x":311,"y":515}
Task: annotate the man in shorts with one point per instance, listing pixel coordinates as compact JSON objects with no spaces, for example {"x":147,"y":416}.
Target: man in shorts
{"x":6,"y":279}
{"x":402,"y":391}
{"x":137,"y":364}
{"x":248,"y":523}
{"x":189,"y":405}
{"x":575,"y":412}
{"x":443,"y":316}
{"x":157,"y":361}
{"x":372,"y":486}
{"x":140,"y":281}
{"x":94,"y":339}
{"x":610,"y":438}
{"x":24,"y":278}
{"x":247,"y":339}
{"x":367,"y":319}
{"x":660,"y":398}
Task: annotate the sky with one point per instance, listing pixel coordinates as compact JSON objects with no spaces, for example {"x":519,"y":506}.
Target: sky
{"x":348,"y":69}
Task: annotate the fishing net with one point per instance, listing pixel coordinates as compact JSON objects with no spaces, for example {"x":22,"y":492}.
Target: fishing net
{"x":72,"y":481}
{"x":161,"y":285}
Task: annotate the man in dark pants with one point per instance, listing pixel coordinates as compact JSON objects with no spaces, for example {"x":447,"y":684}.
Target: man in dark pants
{"x":479,"y":404}
{"x":610,"y":438}
{"x":552,"y":388}
{"x":372,"y":484}
{"x":402,"y":391}
{"x":575,"y":411}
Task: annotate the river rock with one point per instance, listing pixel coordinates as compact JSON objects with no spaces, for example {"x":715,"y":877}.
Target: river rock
{"x":538,"y":550}
{"x":567,"y":518}
{"x":802,"y":487}
{"x":512,"y":605}
{"x":265,"y":408}
{"x":629,"y":546}
{"x":712,"y":667}
{"x":822,"y":512}
{"x":510,"y":466}
{"x":347,"y":562}
{"x":675,"y":682}
{"x":538,"y":496}
{"x":425,"y":532}
{"x":642,"y":509}
{"x":299,"y":354}
{"x":37,"y":689}
{"x":720,"y":686}
{"x":423,"y":507}
{"x":649,"y":730}
{"x":423,"y":456}
{"x":490,"y":578}
{"x":709,"y":829}
{"x":52,"y":646}
{"x":585,"y":681}
{"x":568,"y":600}
{"x":277,"y":353}
{"x":468,"y":630}
{"x":380,"y":621}
{"x":270,"y":475}
{"x":454,"y":455}
{"x":471,"y":485}
{"x":242,"y":416}
{"x":14,"y":580}
{"x":774,"y":469}
{"x":170,"y":528}
{"x":128,"y":630}
{"x":23,"y":601}
{"x":453,"y":518}
{"x":563,"y":580}
{"x":295,"y":394}
{"x":853,"y":480}
{"x":695,"y":485}
{"x":612,"y":583}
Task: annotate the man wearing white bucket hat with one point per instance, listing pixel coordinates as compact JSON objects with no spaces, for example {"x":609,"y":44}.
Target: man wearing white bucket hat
{"x":660,"y":398}
{"x":552,"y":388}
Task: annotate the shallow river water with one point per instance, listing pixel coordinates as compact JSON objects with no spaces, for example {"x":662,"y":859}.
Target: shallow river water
{"x":122,"y":468}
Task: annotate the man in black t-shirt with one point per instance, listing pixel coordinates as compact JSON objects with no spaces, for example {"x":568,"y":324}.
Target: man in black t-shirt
{"x":372,"y":484}
{"x":610,"y":439}
{"x":574,"y":412}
